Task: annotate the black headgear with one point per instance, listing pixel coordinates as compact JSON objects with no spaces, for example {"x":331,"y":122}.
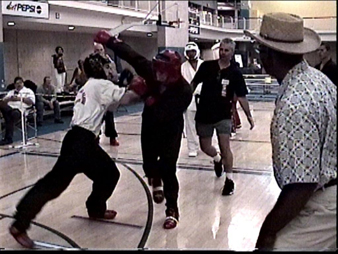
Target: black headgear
{"x":93,"y":66}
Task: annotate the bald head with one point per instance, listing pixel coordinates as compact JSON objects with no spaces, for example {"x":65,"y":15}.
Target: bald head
{"x":99,"y":49}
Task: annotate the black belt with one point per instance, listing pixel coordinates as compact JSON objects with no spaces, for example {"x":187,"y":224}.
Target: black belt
{"x":332,"y":182}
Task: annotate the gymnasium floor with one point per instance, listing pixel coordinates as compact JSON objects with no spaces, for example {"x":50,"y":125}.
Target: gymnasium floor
{"x":208,"y":221}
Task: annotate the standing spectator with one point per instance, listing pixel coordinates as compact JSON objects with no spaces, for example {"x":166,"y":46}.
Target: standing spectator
{"x":326,"y":65}
{"x":110,"y":130}
{"x":304,"y":140}
{"x":46,"y":98}
{"x":59,"y":69}
{"x":167,"y":98}
{"x":221,"y":80}
{"x":20,"y":97}
{"x":80,"y":153}
{"x":188,"y":70}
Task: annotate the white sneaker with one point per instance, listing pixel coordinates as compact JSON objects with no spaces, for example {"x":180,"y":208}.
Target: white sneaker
{"x":192,"y":154}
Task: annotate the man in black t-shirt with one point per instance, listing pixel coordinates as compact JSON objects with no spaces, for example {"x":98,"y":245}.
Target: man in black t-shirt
{"x":221,"y":81}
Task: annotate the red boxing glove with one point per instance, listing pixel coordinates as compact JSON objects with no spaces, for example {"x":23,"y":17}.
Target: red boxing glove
{"x":102,"y":37}
{"x":138,"y":85}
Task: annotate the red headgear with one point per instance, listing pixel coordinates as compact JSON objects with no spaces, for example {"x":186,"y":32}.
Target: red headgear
{"x":168,"y":63}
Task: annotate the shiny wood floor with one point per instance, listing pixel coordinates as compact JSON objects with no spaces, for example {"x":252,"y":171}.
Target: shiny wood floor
{"x":208,"y":220}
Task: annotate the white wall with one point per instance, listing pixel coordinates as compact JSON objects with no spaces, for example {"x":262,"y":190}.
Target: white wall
{"x":28,"y":53}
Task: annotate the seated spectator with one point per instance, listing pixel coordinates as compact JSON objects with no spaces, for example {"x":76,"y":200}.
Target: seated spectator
{"x":19,"y":98}
{"x":46,"y":99}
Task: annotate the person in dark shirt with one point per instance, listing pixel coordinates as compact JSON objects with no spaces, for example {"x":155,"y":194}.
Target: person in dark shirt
{"x":221,"y":81}
{"x":167,"y":98}
{"x":326,"y":65}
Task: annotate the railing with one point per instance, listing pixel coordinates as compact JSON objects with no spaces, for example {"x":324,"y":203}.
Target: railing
{"x":328,"y":23}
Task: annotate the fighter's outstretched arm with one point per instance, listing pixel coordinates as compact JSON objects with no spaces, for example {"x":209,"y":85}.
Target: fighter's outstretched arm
{"x":142,"y":66}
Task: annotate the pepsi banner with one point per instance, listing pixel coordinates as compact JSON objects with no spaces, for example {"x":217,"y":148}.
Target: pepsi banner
{"x":26,"y":9}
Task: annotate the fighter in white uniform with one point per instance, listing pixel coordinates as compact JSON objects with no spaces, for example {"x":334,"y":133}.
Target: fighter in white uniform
{"x":80,"y":151}
{"x":188,"y":70}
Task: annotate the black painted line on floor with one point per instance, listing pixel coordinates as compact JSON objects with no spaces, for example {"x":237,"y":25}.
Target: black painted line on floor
{"x":250,"y":141}
{"x":149,"y":222}
{"x":202,"y":168}
{"x":179,"y":165}
{"x":50,"y":139}
{"x":46,"y":154}
{"x":64,"y":237}
{"x":13,"y":192}
{"x":107,"y":221}
{"x":9,"y":154}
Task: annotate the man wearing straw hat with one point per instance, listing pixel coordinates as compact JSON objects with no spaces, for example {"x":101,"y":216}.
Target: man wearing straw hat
{"x":303,"y":137}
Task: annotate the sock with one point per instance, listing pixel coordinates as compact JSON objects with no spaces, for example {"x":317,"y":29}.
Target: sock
{"x":229,"y":176}
{"x":217,"y":158}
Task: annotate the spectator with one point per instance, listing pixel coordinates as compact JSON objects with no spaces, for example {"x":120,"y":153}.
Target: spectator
{"x":79,"y":78}
{"x":19,"y":98}
{"x":304,"y":140}
{"x":46,"y":99}
{"x":110,"y":129}
{"x":59,"y":69}
{"x":326,"y":65}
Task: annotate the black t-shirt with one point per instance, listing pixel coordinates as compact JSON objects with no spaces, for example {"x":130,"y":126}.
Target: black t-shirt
{"x":214,"y":104}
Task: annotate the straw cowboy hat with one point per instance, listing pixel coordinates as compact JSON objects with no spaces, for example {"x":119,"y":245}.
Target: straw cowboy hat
{"x":285,"y":33}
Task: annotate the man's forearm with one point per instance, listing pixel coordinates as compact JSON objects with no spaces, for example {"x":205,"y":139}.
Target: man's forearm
{"x":243,"y":101}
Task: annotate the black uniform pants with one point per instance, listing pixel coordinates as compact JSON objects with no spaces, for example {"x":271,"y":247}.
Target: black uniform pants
{"x":110,"y":130}
{"x":161,"y":145}
{"x":11,"y":116}
{"x":80,"y":153}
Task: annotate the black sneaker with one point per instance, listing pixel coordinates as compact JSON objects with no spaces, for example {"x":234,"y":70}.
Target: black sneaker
{"x":229,"y":187}
{"x":58,"y":121}
{"x":218,"y":167}
{"x":6,"y":141}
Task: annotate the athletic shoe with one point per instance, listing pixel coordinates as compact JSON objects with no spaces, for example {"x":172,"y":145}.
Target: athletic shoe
{"x":6,"y":141}
{"x":229,"y":187}
{"x":218,"y":167}
{"x":108,"y":215}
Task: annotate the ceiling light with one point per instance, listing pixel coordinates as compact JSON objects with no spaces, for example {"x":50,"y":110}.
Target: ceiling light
{"x":149,"y":35}
{"x":10,"y":23}
{"x":71,"y":28}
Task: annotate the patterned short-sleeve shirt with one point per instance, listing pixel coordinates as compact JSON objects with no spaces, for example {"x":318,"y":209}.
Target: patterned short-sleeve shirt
{"x":303,"y":128}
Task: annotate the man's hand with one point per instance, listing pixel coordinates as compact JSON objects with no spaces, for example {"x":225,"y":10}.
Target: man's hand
{"x":251,"y":121}
{"x":102,"y":37}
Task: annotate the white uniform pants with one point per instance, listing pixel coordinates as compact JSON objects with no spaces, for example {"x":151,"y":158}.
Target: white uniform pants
{"x":60,"y":81}
{"x":190,"y":130}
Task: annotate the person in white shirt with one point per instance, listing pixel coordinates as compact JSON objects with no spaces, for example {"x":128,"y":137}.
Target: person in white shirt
{"x":80,"y":151}
{"x":188,"y":70}
{"x":12,"y":104}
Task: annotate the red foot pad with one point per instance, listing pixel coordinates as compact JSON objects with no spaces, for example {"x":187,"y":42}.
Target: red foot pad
{"x":21,"y":237}
{"x":170,"y":222}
